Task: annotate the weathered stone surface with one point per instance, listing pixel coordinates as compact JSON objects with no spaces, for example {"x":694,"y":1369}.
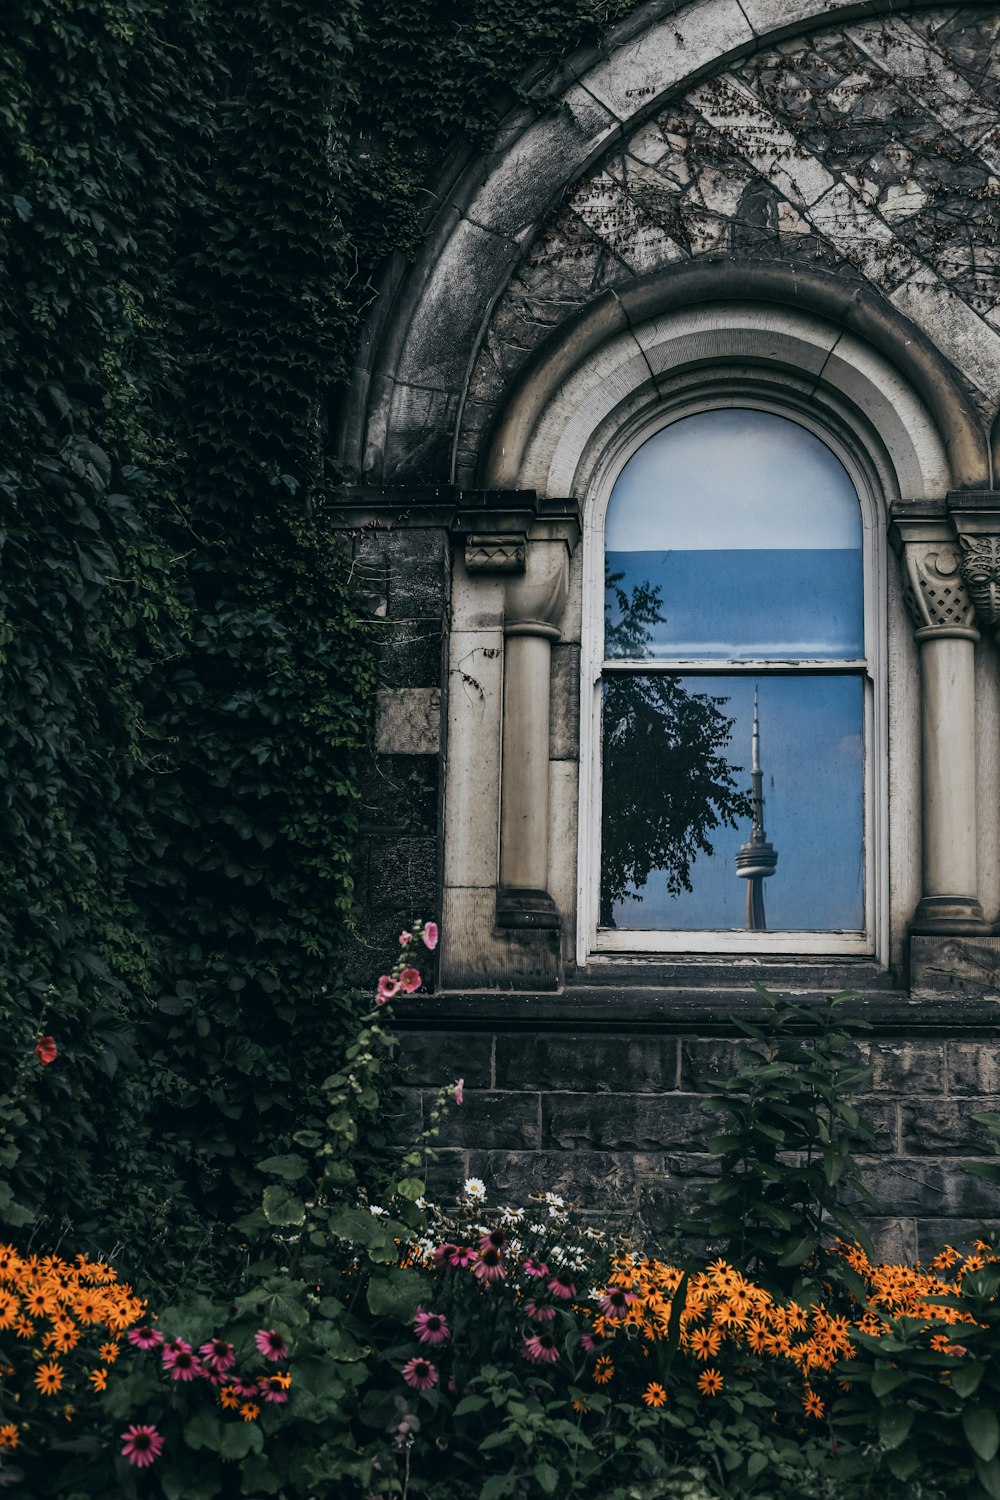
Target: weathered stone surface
{"x":587,"y":1064}
{"x":934,"y":1234}
{"x":879,"y":1116}
{"x":410,"y":652}
{"x":409,"y":721}
{"x":955,"y":966}
{"x":608,"y":1178}
{"x":941,"y":1127}
{"x":500,"y":1120}
{"x":704,"y":1061}
{"x":564,"y":708}
{"x":399,"y":794}
{"x":625,"y":1122}
{"x":403,"y":874}
{"x":405,"y":1122}
{"x":929,"y":1189}
{"x":437,"y":1058}
{"x":974,"y":1068}
{"x":905,"y":1067}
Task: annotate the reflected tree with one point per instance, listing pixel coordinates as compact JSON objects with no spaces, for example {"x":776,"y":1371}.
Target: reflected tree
{"x":667,"y":783}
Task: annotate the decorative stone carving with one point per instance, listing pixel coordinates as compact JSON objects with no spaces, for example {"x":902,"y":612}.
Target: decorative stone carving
{"x":934,"y":587}
{"x":980,"y":571}
{"x":495,"y":554}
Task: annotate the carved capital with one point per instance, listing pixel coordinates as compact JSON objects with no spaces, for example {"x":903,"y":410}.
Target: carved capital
{"x":494,"y":554}
{"x":975,"y":516}
{"x":534,"y":601}
{"x":934,"y":589}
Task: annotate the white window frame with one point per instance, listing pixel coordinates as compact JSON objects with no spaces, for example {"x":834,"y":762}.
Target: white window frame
{"x":594,"y":942}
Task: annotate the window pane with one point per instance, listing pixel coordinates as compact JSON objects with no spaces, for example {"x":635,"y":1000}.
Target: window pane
{"x":734,"y":534}
{"x":678,"y":810}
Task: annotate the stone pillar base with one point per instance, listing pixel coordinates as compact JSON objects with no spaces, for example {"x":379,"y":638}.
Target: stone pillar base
{"x":955,"y":967}
{"x":950,"y":915}
{"x":518,"y":907}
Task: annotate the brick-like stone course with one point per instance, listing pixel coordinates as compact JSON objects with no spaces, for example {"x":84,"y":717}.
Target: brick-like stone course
{"x":617,"y":1122}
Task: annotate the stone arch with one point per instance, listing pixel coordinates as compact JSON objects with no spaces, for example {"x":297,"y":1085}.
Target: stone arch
{"x":410,"y":381}
{"x":621,"y":352}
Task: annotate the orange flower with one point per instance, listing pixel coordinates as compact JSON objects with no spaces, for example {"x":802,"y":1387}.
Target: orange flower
{"x":49,"y":1378}
{"x":228,"y":1398}
{"x":710,"y":1382}
{"x":249,"y":1412}
{"x":110,"y":1352}
{"x":8,"y":1309}
{"x":603,"y":1370}
{"x":98,"y":1379}
{"x":9,"y":1436}
{"x":812,"y":1403}
{"x":704,"y":1343}
{"x":654,"y":1394}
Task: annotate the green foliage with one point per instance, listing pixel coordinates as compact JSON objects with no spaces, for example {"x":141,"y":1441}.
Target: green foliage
{"x":787,"y":1154}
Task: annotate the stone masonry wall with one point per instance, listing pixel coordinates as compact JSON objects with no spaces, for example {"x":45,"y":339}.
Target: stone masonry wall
{"x":614,"y":1118}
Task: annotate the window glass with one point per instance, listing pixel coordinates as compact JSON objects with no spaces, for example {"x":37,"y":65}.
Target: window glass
{"x":734,"y":534}
{"x":678,"y":802}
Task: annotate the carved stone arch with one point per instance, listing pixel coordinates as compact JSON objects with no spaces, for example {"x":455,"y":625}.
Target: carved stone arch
{"x":839,"y":335}
{"x":409,"y":384}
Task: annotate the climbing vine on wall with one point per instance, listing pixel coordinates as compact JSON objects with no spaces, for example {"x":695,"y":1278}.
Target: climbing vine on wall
{"x":195,"y":201}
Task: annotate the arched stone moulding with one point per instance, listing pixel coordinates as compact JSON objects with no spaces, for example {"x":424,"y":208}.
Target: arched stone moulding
{"x":426,"y":345}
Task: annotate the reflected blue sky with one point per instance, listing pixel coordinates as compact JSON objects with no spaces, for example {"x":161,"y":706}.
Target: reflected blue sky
{"x":750,"y":527}
{"x":812,"y":758}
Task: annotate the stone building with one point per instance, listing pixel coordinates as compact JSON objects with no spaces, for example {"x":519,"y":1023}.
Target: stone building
{"x":692,"y":393}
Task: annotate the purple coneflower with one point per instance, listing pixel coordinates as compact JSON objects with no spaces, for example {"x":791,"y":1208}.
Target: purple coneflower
{"x":145,"y":1338}
{"x":561,"y":1286}
{"x":540,"y":1312}
{"x":493,"y":1239}
{"x":489,"y":1266}
{"x":431,"y":1327}
{"x":540,"y":1348}
{"x":182,"y":1364}
{"x":461,"y":1256}
{"x":535,"y":1268}
{"x":614,"y":1303}
{"x":141,"y":1444}
{"x":271,"y":1344}
{"x":218,"y":1354}
{"x":420,"y":1373}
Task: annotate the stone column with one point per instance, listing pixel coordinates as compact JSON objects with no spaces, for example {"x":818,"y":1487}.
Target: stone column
{"x":943,"y":618}
{"x":533,"y":603}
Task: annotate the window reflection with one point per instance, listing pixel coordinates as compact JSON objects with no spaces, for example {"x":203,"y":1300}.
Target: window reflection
{"x":748,"y":528}
{"x":678,"y":810}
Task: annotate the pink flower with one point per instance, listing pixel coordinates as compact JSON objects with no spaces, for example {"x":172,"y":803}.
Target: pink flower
{"x":387,"y":987}
{"x":561,"y":1286}
{"x":535,"y":1268}
{"x":460,"y":1091}
{"x":272,"y":1345}
{"x":404,"y":938}
{"x":443,"y":1253}
{"x":420,"y":1373}
{"x":540,"y":1348}
{"x":461,"y":1256}
{"x":540,"y":1312}
{"x":272,"y":1389}
{"x":431,"y":1327}
{"x":141,"y":1445}
{"x":182,"y":1364}
{"x":430,"y":935}
{"x":493,"y":1239}
{"x":592,"y":1341}
{"x":145,"y":1338}
{"x":614,"y":1303}
{"x":409,"y":980}
{"x":489,"y":1266}
{"x":244,"y":1388}
{"x":45,"y":1050}
{"x":219,"y":1355}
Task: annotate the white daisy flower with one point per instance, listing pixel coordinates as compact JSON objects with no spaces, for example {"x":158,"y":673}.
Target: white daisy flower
{"x":474,"y":1188}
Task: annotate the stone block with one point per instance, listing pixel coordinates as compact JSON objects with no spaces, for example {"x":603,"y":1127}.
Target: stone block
{"x":704,"y":1061}
{"x":895,"y":1241}
{"x":563,"y":821}
{"x":879,"y":1115}
{"x":399,"y":794}
{"x":959,"y":967}
{"x":417,"y":446}
{"x":626,"y":1122}
{"x":433,"y":1059}
{"x":662,"y":55}
{"x":419,"y":563}
{"x":444,"y":1176}
{"x":564,"y":703}
{"x":974,"y":1069}
{"x":910,"y":1187}
{"x":404,"y":1121}
{"x":403,"y":873}
{"x":409,"y":721}
{"x":586,"y":1063}
{"x":473,"y":798}
{"x":957,"y":330}
{"x":476,"y":599}
{"x":368,"y":949}
{"x":945,"y":1127}
{"x":475,"y":954}
{"x":410,"y":652}
{"x":589,"y":1177}
{"x":904,"y":1067}
{"x":503,"y":1121}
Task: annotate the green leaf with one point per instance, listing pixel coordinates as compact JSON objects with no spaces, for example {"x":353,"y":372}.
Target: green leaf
{"x":894,"y":1424}
{"x":547,"y":1477}
{"x":801,"y":1251}
{"x":887,"y":1379}
{"x":756,"y":1464}
{"x":470,"y":1404}
{"x":281,"y":1207}
{"x":982,"y":1429}
{"x":396,"y":1293}
{"x":966,"y":1378}
{"x":988,"y":1475}
{"x":291,"y":1167}
{"x":411,"y":1188}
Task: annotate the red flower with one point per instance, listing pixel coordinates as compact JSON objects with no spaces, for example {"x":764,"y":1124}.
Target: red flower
{"x":45,"y":1050}
{"x":410,"y":980}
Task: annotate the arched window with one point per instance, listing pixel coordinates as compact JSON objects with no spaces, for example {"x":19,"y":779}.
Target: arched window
{"x":735,"y":700}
